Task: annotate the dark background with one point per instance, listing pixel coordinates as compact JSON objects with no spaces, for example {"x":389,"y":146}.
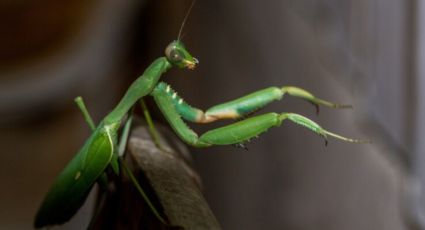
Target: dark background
{"x":365,"y":53}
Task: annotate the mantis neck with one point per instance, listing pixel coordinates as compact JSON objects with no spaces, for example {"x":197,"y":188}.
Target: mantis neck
{"x":142,"y":86}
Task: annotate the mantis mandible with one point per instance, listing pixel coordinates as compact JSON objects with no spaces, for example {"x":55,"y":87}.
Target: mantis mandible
{"x":101,"y":149}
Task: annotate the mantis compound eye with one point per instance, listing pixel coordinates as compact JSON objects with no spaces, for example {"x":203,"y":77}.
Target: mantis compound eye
{"x":175,"y":56}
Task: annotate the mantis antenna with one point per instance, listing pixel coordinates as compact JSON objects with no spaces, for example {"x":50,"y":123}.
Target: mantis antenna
{"x":185,"y":19}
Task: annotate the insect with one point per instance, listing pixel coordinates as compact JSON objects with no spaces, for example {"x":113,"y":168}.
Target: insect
{"x":102,"y":150}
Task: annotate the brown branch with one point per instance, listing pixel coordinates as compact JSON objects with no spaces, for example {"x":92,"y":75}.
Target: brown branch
{"x":167,"y":178}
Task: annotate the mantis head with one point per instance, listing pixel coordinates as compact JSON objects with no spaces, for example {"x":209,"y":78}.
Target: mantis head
{"x":177,"y":55}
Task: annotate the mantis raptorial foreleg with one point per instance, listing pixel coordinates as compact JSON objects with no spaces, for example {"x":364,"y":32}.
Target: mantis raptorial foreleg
{"x":243,"y":106}
{"x":174,"y":109}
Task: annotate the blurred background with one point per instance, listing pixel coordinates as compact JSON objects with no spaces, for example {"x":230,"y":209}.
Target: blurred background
{"x":367,"y":53}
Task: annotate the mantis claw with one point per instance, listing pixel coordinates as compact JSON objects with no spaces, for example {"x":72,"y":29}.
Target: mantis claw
{"x":241,"y":145}
{"x":304,"y":94}
{"x":316,"y":106}
{"x":323,"y":134}
{"x":317,"y":102}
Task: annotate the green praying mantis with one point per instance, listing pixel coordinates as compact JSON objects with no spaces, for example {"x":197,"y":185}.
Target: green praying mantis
{"x":102,"y":150}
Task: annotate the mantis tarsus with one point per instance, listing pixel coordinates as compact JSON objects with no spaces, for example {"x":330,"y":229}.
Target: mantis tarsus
{"x":100,"y":150}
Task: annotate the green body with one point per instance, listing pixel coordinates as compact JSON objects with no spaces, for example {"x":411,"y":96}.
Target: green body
{"x":141,"y":87}
{"x":72,"y":186}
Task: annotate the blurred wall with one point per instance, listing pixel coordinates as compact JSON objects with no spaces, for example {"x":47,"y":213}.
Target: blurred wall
{"x":353,"y":52}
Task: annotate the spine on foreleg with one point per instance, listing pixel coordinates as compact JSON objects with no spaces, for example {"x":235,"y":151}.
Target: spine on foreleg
{"x":185,"y":110}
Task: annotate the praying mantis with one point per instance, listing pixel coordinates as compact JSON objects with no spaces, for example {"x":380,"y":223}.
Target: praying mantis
{"x":101,"y":150}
